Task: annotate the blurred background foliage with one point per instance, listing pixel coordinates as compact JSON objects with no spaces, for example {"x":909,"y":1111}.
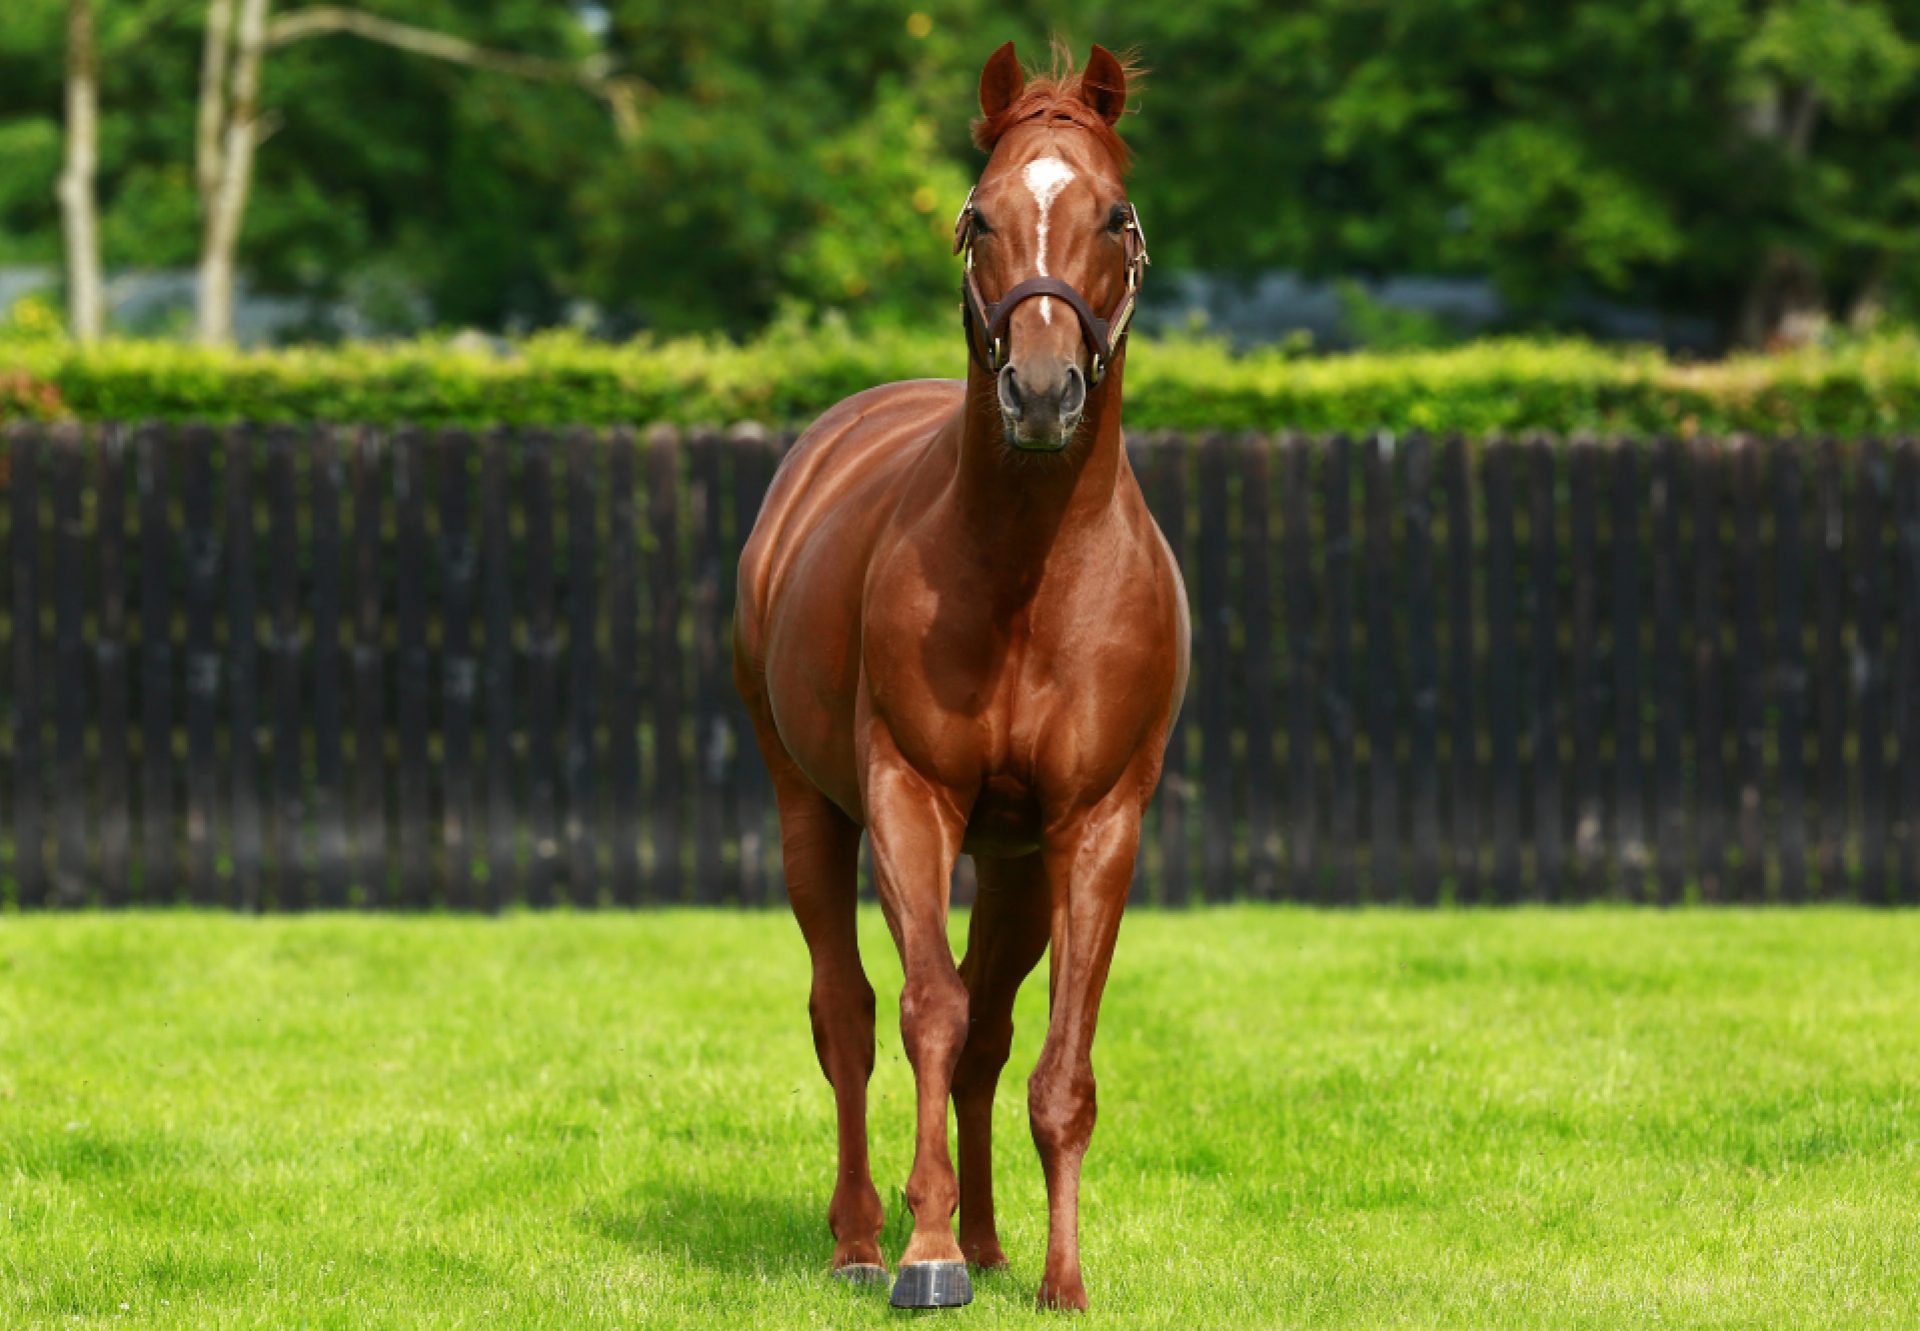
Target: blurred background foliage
{"x":1729,"y":161}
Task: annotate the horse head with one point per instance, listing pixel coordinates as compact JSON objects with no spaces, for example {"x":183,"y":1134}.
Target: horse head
{"x":1054,"y":250}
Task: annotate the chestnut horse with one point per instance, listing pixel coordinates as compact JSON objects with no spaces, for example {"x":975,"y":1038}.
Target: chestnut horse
{"x":959,"y":629}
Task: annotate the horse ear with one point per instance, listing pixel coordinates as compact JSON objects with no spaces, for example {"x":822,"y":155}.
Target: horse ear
{"x":1103,"y":84}
{"x":1001,"y":81}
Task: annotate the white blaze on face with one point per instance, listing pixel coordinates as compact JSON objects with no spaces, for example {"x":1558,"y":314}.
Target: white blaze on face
{"x":1045,"y":178}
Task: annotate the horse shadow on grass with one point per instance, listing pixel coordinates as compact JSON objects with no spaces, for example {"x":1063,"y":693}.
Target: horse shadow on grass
{"x":687,"y":1222}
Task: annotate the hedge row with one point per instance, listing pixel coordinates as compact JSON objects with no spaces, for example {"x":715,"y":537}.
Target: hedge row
{"x":789,"y":376}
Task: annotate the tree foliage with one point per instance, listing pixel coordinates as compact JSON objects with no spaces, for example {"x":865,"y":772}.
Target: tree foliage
{"x":807,"y":155}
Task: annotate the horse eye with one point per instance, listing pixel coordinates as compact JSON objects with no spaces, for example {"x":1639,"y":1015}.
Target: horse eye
{"x":980,"y":225}
{"x":1117,"y":219}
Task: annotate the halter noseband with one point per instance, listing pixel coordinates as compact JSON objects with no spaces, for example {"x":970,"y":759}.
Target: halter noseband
{"x":986,"y":321}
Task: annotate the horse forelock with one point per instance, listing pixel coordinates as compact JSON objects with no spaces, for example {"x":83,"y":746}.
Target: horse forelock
{"x":1059,"y":95}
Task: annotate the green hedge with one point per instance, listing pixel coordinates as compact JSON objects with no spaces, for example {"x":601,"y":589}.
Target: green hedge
{"x":789,"y":376}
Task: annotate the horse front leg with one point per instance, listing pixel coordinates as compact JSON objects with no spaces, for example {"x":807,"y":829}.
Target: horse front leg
{"x":916,"y":829}
{"x":1090,"y":864}
{"x":1007,"y":935}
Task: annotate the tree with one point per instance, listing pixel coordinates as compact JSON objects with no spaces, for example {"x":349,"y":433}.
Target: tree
{"x":1747,"y":164}
{"x":230,"y":127}
{"x":1747,"y":161}
{"x":225,"y":171}
{"x":80,"y":221}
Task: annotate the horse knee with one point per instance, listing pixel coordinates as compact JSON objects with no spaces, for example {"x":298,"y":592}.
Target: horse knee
{"x":1061,"y":1108}
{"x":933,"y":1019}
{"x":842,"y":1015}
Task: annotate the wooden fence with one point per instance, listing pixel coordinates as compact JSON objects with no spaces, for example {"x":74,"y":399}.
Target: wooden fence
{"x":276,"y":668}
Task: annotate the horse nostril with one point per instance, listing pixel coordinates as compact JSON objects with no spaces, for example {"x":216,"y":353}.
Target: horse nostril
{"x":1010,"y":394}
{"x":1074,"y":396}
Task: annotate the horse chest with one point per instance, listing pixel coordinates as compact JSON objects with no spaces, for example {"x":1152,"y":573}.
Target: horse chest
{"x":1011,"y":707}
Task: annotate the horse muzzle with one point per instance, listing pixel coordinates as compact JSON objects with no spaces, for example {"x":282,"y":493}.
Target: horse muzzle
{"x":1042,"y":406}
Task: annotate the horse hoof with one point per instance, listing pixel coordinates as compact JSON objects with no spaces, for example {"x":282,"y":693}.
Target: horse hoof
{"x":860,"y":1273}
{"x":932,"y":1285}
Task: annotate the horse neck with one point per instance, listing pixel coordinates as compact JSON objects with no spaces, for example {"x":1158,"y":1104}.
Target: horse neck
{"x":1020,"y":505}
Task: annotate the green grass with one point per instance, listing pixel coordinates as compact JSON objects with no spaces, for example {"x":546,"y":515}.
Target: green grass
{"x":1595,"y":1118}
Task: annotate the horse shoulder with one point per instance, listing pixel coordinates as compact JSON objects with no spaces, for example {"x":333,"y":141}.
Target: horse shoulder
{"x":829,"y":481}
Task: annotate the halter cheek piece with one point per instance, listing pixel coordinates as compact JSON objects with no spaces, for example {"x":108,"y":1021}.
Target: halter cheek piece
{"x":986,"y":321}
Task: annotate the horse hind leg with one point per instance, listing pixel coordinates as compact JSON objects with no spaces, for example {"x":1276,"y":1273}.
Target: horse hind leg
{"x":820,"y":848}
{"x":1005,"y":939}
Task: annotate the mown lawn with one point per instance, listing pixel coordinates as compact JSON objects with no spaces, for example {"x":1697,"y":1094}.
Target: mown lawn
{"x":1592,"y":1118}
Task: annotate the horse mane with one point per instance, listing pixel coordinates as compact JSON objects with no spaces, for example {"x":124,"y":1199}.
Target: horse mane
{"x":1057,"y":93}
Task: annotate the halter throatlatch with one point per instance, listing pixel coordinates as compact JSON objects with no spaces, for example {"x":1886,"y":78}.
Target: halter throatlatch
{"x":986,"y":321}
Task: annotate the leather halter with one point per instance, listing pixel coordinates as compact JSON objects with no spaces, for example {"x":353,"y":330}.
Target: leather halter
{"x":986,"y":321}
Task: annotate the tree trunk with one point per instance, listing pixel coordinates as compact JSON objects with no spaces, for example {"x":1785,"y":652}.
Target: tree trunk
{"x":79,"y":213}
{"x":1785,"y":304}
{"x":234,"y":178}
{"x":210,"y":125}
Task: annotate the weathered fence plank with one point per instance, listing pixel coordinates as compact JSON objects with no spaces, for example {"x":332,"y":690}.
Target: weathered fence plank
{"x":204,"y":660}
{"x":25,"y":451}
{"x":1789,"y":676}
{"x":504,"y":880}
{"x":1830,"y":670}
{"x":110,"y":649}
{"x":624,"y":668}
{"x":1872,"y":482}
{"x":1629,"y":561}
{"x":542,"y":787}
{"x":1907,"y":675}
{"x":1750,"y":651}
{"x":71,"y":875}
{"x":1259,"y":618}
{"x":1301,"y":655}
{"x":1463,"y":676}
{"x":717,"y":879}
{"x":1709,"y":757}
{"x":459,"y":563}
{"x":1418,"y":557}
{"x":1382,"y":675}
{"x":1166,"y":491}
{"x":159,"y":822}
{"x":242,"y":675}
{"x":369,"y":693}
{"x":332,"y":848}
{"x":667,"y":772}
{"x":1545,"y":724}
{"x":412,"y":668}
{"x":584,"y":453}
{"x":290,"y":861}
{"x":1338,"y":703}
{"x":1503,"y":683}
{"x":1213,"y":652}
{"x":1669,"y":674}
